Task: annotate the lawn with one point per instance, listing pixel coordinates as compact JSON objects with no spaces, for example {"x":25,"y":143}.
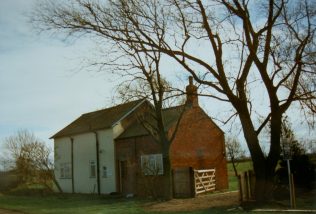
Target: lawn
{"x":69,"y":204}
{"x":91,"y":204}
{"x":94,"y":204}
{"x":82,"y":204}
{"x":241,"y":167}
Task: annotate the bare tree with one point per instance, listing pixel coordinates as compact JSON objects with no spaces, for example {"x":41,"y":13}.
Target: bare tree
{"x":149,"y":84}
{"x":251,"y":47}
{"x":309,"y":146}
{"x":235,"y":152}
{"x":32,"y":159}
{"x":145,"y":81}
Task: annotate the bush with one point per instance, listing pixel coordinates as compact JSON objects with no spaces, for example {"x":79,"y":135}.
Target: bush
{"x":8,"y":180}
{"x":303,"y":171}
{"x":30,"y":190}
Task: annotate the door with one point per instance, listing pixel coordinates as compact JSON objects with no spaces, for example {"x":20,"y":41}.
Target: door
{"x":182,"y":182}
{"x":127,"y":177}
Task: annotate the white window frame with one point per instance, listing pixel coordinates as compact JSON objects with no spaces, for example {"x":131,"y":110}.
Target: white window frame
{"x":65,"y":170}
{"x":152,"y":164}
{"x":92,"y":169}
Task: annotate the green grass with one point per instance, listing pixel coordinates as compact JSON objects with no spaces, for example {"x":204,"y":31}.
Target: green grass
{"x":241,"y":167}
{"x":87,"y":204}
{"x":70,"y":204}
{"x":35,"y":203}
{"x":91,"y":204}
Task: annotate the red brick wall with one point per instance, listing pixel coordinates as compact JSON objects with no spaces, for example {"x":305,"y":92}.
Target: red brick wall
{"x":131,"y":149}
{"x":199,"y":144}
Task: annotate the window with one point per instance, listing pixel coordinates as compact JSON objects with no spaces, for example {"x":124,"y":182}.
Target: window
{"x":104,"y":172}
{"x":152,"y":164}
{"x":92,"y":169}
{"x":65,"y":170}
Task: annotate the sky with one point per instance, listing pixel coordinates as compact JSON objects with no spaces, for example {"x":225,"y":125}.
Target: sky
{"x":42,"y":88}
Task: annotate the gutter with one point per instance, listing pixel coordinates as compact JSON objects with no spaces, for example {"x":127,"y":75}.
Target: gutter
{"x":98,"y":161}
{"x":72,"y":165}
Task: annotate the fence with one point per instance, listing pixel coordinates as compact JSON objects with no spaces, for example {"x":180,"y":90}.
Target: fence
{"x":246,"y":185}
{"x":204,"y":181}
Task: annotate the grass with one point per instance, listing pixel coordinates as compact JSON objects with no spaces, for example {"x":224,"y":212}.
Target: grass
{"x":90,"y":204}
{"x":87,"y":204}
{"x":35,"y":202}
{"x":70,"y":204}
{"x":232,"y":179}
{"x":241,"y":166}
{"x":31,"y":201}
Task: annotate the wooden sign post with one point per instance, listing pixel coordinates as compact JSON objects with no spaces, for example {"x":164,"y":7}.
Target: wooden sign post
{"x":287,"y":156}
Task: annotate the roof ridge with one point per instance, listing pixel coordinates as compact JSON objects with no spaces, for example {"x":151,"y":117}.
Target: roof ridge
{"x":116,"y":106}
{"x":99,"y":119}
{"x":172,"y":107}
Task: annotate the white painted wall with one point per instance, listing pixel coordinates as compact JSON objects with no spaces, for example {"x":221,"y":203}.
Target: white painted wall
{"x":107,"y":159}
{"x":85,"y":151}
{"x":62,"y":154}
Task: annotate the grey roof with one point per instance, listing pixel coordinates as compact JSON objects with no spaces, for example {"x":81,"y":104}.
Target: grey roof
{"x":98,"y":120}
{"x":170,"y":116}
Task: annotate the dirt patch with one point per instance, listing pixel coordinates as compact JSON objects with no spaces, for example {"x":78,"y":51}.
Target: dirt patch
{"x":197,"y":203}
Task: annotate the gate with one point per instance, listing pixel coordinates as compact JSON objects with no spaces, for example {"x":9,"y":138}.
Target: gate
{"x":204,"y":180}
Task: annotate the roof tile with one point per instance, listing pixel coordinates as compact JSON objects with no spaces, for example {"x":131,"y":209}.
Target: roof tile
{"x":97,"y":120}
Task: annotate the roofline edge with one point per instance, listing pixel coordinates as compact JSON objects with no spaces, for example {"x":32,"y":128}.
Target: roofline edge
{"x":128,"y":113}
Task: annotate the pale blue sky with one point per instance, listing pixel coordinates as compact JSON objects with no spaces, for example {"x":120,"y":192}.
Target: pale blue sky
{"x":40,"y":87}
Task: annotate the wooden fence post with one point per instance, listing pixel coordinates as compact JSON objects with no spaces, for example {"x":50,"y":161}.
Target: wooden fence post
{"x":246,"y":185}
{"x":240,"y":188}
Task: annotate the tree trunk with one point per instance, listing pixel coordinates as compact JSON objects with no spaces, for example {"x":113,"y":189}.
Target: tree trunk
{"x":263,"y":166}
{"x":262,"y":169}
{"x":168,"y":184}
{"x":265,"y":171}
{"x":264,"y":180}
{"x":235,"y":167}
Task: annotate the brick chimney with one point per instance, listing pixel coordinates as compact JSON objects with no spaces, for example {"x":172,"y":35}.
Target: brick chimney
{"x":192,"y":97}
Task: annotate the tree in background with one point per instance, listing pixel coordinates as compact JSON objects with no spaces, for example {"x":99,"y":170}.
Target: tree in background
{"x":235,"y":152}
{"x":301,"y":166}
{"x":309,"y":146}
{"x":32,"y":159}
{"x":251,"y":47}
